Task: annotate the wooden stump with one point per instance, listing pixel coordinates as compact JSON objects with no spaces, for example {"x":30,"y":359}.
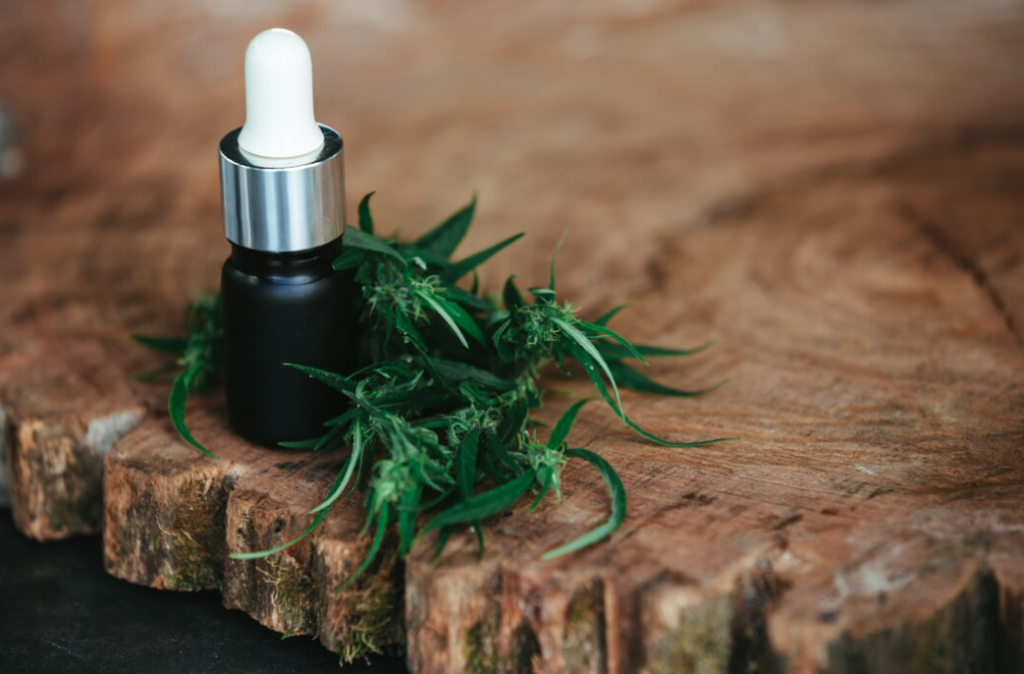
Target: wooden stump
{"x":877,"y":530}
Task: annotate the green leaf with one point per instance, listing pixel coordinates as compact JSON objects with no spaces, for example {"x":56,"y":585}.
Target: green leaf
{"x":436,"y":306}
{"x":365,"y":218}
{"x":330,"y":440}
{"x":564,"y":425}
{"x":345,"y":475}
{"x":595,"y":376}
{"x":436,"y":421}
{"x":560,"y":362}
{"x":497,"y":463}
{"x":416,"y":399}
{"x":554,"y":254}
{"x":299,"y":444}
{"x":273,"y":551}
{"x":407,"y":517}
{"x":669,"y":443}
{"x":588,"y":347}
{"x":465,"y":468}
{"x":446,"y":237}
{"x":612,"y":351}
{"x":176,"y":409}
{"x":357,"y":238}
{"x":172,"y":345}
{"x":606,"y":318}
{"x":463,"y":297}
{"x":479,"y":531}
{"x":631,"y":379}
{"x":513,"y":423}
{"x":343,"y":418}
{"x":457,"y":270}
{"x":332,"y":379}
{"x":511,"y":295}
{"x":463,"y":319}
{"x":483,"y":505}
{"x":545,"y":294}
{"x":617,"y":513}
{"x":504,"y":352}
{"x":540,"y":497}
{"x":442,"y":542}
{"x":410,"y":333}
{"x":371,"y":554}
{"x":458,"y":372}
{"x":608,"y":332}
{"x":350,"y":258}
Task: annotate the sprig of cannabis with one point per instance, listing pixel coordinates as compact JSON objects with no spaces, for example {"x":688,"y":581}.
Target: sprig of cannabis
{"x":200,"y":357}
{"x":439,"y":413}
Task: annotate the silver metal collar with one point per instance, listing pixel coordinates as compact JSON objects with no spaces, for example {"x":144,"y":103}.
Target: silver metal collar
{"x":283,"y":209}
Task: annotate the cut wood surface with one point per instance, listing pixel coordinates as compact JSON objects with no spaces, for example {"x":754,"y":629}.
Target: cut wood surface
{"x":833,"y":191}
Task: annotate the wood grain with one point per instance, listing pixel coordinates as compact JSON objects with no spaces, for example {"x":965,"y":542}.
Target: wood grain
{"x":849,"y":536}
{"x":830,"y":190}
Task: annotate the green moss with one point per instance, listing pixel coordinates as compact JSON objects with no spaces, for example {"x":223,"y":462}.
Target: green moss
{"x":195,"y":538}
{"x":190,"y":570}
{"x":699,"y":644}
{"x":936,"y":645}
{"x":584,"y":643}
{"x":291,"y":594}
{"x":376,"y":622}
{"x":479,"y":648}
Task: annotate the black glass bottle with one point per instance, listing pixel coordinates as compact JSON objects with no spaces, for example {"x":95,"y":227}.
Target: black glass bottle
{"x":285,"y":308}
{"x":283,"y":189}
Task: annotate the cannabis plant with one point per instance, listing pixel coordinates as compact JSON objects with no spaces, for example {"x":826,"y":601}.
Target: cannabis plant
{"x":438,"y":429}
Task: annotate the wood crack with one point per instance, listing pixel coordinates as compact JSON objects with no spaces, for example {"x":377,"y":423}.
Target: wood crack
{"x":745,"y":203}
{"x":945,"y":245}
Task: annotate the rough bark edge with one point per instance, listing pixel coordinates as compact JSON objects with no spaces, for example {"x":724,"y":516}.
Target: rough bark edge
{"x":168,"y":537}
{"x":55,"y":468}
{"x":172,"y":517}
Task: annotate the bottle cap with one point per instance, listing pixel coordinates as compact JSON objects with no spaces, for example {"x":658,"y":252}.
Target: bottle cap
{"x":279,"y":120}
{"x":282,"y":174}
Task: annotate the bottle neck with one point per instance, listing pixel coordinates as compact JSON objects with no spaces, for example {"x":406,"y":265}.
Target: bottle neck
{"x":303,"y":266}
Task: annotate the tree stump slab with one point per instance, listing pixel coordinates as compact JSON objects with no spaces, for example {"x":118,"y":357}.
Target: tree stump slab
{"x":869,"y":518}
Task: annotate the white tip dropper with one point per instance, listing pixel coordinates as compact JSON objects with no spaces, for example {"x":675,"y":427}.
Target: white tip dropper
{"x":279,"y":121}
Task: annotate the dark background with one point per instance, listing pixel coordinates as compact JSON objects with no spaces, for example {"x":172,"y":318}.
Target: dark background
{"x":59,"y":612}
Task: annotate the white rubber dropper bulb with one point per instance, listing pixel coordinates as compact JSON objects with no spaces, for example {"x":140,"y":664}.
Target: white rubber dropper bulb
{"x":279,"y":121}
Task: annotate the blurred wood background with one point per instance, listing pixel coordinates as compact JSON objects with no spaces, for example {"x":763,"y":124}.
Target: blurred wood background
{"x":834,"y":191}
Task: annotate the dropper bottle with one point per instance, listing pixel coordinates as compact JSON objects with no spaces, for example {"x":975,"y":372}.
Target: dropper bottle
{"x":282,"y":181}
